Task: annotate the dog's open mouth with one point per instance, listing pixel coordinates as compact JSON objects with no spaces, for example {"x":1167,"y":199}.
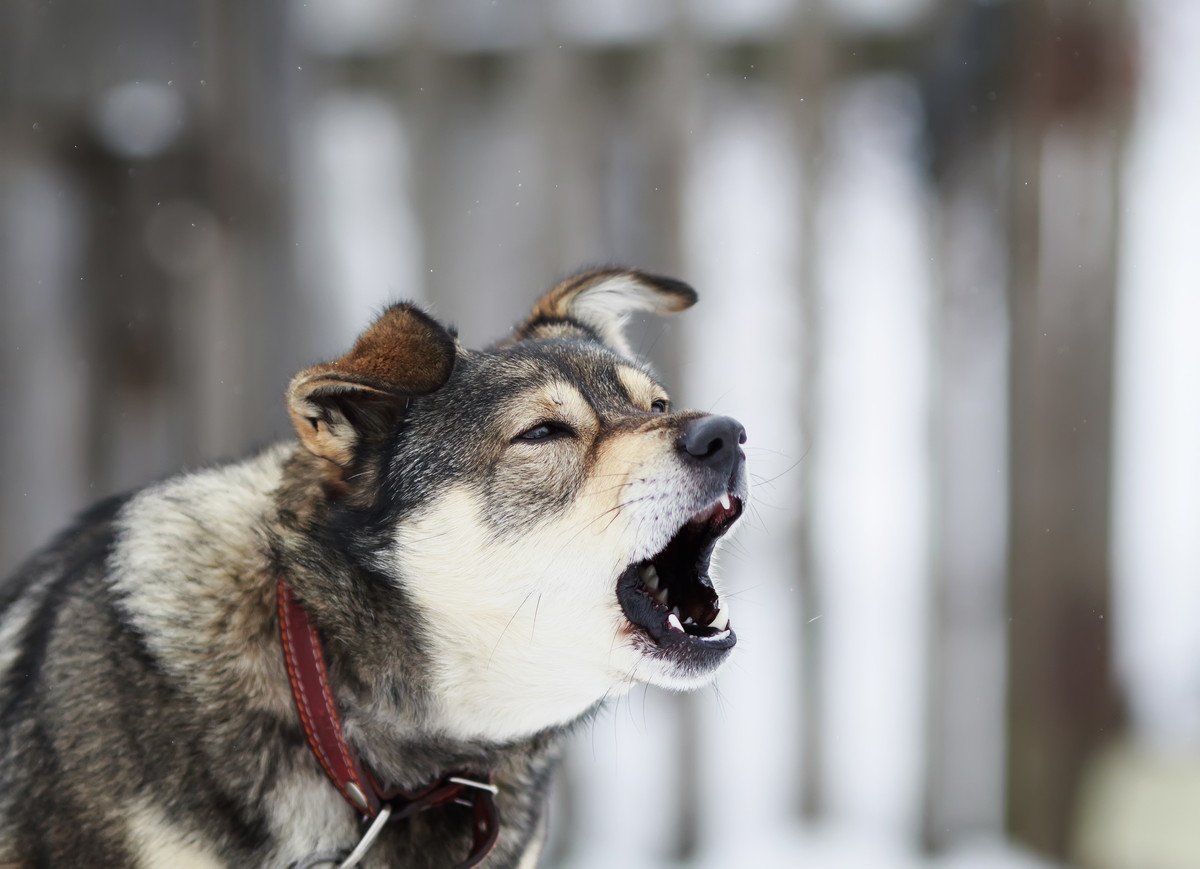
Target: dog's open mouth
{"x":670,"y":595}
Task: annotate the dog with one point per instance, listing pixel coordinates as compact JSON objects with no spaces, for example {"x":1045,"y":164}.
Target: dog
{"x":482,"y":546}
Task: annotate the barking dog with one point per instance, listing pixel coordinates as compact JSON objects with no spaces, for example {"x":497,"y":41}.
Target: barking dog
{"x":484,"y":546}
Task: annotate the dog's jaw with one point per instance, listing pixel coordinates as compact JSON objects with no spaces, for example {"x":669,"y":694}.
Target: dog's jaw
{"x":528,"y":633}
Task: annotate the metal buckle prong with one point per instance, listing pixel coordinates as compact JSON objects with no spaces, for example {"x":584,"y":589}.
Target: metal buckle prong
{"x":368,"y":839}
{"x":478,"y":785}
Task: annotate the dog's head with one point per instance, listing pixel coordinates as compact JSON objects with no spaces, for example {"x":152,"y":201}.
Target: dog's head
{"x":548,"y":513}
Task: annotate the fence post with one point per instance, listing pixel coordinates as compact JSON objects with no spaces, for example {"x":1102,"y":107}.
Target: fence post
{"x":1064,"y":219}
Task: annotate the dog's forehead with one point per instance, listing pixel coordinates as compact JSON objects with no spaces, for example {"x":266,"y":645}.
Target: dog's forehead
{"x":604,"y":379}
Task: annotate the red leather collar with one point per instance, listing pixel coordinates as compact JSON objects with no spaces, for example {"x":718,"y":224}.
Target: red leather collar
{"x":309,"y":678}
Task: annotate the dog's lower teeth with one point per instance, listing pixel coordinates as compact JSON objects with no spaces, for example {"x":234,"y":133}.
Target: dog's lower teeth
{"x":673,"y":623}
{"x":725,"y":502}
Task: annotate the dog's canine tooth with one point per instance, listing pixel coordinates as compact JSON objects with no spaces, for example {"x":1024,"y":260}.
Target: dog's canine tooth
{"x":721,"y":619}
{"x":726,"y":503}
{"x":649,"y":576}
{"x":674,"y":624}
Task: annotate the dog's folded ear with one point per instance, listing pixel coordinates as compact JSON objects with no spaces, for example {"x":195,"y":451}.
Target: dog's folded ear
{"x":340,"y":405}
{"x":599,"y":302}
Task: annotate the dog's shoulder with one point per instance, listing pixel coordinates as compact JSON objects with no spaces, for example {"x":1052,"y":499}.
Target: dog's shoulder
{"x":136,"y":640}
{"x":177,"y":561}
{"x":190,"y":570}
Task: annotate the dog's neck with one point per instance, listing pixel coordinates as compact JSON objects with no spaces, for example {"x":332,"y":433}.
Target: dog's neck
{"x":378,"y":662}
{"x":389,"y":717}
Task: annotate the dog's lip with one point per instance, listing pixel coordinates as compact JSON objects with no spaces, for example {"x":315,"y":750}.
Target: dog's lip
{"x":646,"y":598}
{"x":721,"y":514}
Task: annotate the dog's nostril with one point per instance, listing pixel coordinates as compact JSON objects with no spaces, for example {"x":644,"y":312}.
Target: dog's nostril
{"x":712,"y":439}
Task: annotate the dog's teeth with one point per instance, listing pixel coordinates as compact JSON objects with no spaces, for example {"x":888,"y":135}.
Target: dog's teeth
{"x":661,"y":596}
{"x":673,"y":623}
{"x":649,"y":576}
{"x":720,"y":620}
{"x":725,"y":501}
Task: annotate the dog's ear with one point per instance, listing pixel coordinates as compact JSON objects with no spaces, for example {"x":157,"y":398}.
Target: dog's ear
{"x":599,"y":302}
{"x":339,"y":405}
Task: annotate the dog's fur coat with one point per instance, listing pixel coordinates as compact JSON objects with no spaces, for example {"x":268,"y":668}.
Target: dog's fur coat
{"x":454,"y":521}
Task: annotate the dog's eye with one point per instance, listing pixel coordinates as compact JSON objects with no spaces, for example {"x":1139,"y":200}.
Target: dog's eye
{"x":659,"y":405}
{"x":545,"y":431}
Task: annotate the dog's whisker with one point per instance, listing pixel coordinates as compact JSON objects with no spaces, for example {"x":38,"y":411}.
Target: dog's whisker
{"x":786,"y":470}
{"x":413,"y":541}
{"x":506,"y":627}
{"x":764,"y":502}
{"x":728,"y":550}
{"x":766,"y":450}
{"x":712,"y":407}
{"x":596,"y":518}
{"x":739,"y":596}
{"x":609,"y":489}
{"x":536,"y":608}
{"x":761,"y":524}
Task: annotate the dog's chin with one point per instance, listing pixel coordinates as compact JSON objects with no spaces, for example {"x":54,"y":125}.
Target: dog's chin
{"x":677,"y":622}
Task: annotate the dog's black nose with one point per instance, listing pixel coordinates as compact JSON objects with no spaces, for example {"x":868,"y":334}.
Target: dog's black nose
{"x":713,"y":441}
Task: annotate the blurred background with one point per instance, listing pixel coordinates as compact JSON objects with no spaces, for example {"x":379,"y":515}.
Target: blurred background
{"x":948,"y":254}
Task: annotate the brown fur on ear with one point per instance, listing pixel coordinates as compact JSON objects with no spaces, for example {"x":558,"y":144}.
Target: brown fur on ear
{"x":337,"y":405}
{"x":601,"y":301}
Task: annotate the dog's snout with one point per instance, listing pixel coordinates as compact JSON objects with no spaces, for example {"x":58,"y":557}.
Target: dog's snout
{"x":713,"y":441}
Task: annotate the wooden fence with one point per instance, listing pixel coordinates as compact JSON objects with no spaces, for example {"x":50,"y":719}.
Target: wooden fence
{"x":905,"y":234}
